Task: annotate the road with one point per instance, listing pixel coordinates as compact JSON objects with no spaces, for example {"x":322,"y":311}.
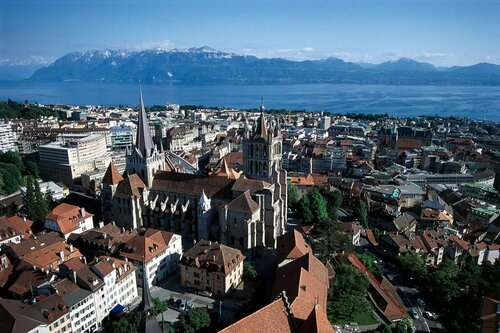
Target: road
{"x":171,"y":287}
{"x":409,"y":293}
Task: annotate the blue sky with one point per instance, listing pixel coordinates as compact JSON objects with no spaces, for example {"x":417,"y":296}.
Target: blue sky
{"x":454,"y":32}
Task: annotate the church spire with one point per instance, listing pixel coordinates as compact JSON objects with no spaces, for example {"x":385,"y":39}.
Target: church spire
{"x":261,"y":130}
{"x":147,"y":301}
{"x":144,"y":142}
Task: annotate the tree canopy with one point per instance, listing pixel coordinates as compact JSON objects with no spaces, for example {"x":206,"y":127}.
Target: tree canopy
{"x":194,"y":320}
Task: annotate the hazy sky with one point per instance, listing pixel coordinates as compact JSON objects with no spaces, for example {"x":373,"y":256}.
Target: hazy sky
{"x":454,"y":32}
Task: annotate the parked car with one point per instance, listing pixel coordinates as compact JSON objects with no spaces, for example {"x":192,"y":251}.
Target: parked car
{"x":205,"y":293}
{"x":429,"y":315}
{"x":171,"y":301}
{"x":178,"y":303}
{"x":414,"y":313}
{"x":189,"y":305}
{"x":182,"y":306}
{"x":420,"y":302}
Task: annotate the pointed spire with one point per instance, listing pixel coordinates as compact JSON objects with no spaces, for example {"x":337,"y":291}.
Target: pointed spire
{"x":144,"y":143}
{"x":261,"y":130}
{"x":147,"y":300}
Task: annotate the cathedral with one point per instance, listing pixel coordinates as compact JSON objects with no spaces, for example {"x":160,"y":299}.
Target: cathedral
{"x":242,"y":210}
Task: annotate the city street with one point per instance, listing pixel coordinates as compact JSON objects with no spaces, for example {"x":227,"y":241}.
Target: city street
{"x":171,"y":287}
{"x":409,"y":293}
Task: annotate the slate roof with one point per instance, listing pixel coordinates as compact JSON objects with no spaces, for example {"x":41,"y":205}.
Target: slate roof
{"x":243,"y":204}
{"x":132,"y":186}
{"x":253,"y":185}
{"x":215,"y":187}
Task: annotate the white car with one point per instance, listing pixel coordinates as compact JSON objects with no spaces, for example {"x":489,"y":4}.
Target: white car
{"x":414,"y":313}
{"x":429,"y":315}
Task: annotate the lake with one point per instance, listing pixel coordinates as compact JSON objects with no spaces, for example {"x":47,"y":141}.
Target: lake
{"x":480,"y":102}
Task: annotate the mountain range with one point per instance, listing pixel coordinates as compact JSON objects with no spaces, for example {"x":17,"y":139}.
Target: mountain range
{"x":205,"y":65}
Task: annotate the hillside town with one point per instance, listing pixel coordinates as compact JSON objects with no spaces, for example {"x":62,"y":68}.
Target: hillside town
{"x":184,"y":218}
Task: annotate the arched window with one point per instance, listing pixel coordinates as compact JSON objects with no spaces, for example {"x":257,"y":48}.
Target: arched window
{"x":251,"y":150}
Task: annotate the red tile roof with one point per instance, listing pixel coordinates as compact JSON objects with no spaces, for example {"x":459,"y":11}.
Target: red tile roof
{"x":112,"y":176}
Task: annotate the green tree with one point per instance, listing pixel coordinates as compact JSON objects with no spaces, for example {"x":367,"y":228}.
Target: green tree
{"x":413,"y":265}
{"x":160,"y":307}
{"x":194,"y":320}
{"x":318,"y":205}
{"x":249,"y":272}
{"x":293,"y":194}
{"x":304,"y":211}
{"x":29,"y":199}
{"x":368,"y":259}
{"x":361,"y":213}
{"x":11,"y":177}
{"x":350,"y":287}
{"x":334,"y":200}
{"x":41,"y":207}
{"x":331,"y":240}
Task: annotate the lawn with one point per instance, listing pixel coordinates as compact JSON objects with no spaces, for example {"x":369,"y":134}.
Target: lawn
{"x":364,"y":318}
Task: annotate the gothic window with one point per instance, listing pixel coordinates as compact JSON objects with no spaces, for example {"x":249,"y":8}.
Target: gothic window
{"x":235,"y":223}
{"x":251,"y":150}
{"x":142,"y":173}
{"x":265,"y":152}
{"x":257,"y":150}
{"x":265,"y":168}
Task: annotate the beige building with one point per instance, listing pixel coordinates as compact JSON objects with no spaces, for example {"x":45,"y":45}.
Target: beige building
{"x":73,"y":155}
{"x":213,"y":267}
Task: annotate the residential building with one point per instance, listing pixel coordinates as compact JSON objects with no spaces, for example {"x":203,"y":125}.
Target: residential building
{"x":210,"y":266}
{"x":48,"y":315}
{"x":490,"y":315}
{"x":80,"y":303}
{"x":155,"y":253}
{"x":14,"y":229}
{"x":8,"y":140}
{"x":66,"y":219}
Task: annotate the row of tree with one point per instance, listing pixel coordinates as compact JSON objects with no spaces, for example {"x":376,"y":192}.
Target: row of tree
{"x":13,"y":171}
{"x":14,"y":110}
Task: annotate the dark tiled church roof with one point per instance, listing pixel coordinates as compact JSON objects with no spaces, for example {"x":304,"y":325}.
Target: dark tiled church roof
{"x":219,"y":187}
{"x":131,"y":186}
{"x":243,"y":204}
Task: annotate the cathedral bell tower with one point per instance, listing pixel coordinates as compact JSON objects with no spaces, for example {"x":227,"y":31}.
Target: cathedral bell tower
{"x":144,"y":159}
{"x":262,"y":148}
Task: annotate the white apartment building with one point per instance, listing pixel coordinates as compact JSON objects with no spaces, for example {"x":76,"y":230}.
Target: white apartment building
{"x":67,"y":219}
{"x":7,"y":138}
{"x":81,"y":306}
{"x":73,"y":155}
{"x":158,"y":258}
{"x":119,"y":287}
{"x":111,"y":281}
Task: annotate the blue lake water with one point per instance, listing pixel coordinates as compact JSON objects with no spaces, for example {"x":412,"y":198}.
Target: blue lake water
{"x":481,"y":102}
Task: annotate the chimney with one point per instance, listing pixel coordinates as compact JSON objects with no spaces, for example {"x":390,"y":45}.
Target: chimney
{"x":213,"y":258}
{"x":61,"y":254}
{"x":85,"y":260}
{"x":70,"y":247}
{"x":74,"y":277}
{"x":82,"y":211}
{"x":101,"y":224}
